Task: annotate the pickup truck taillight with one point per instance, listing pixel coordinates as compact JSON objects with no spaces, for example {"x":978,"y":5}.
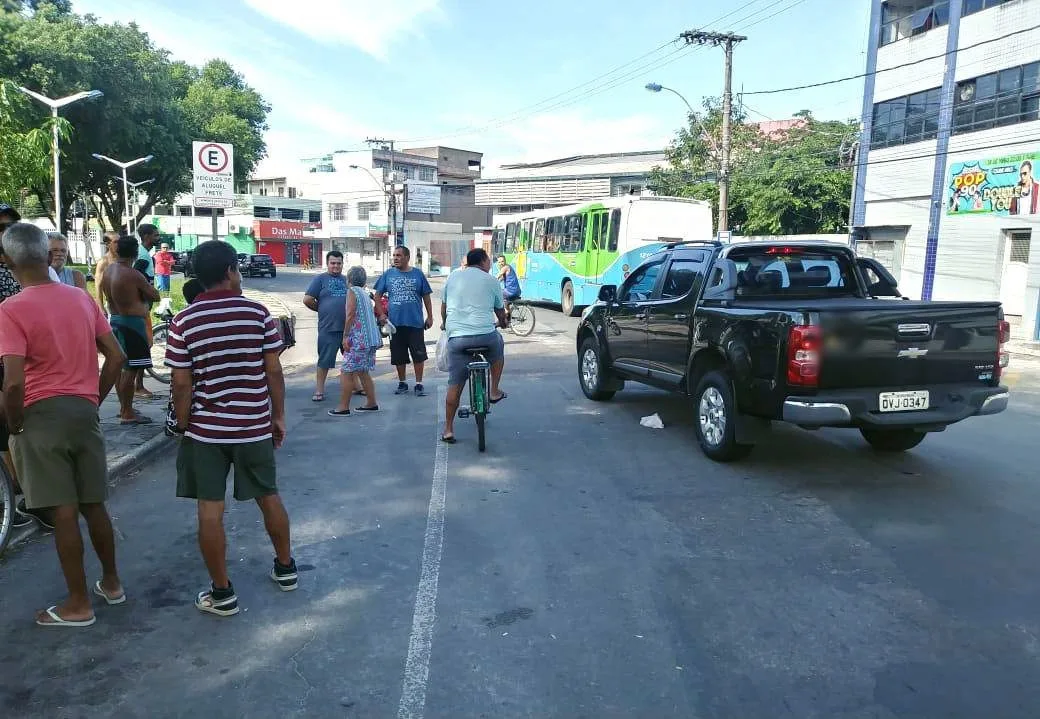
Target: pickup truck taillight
{"x":1003,"y":337}
{"x":803,"y":356}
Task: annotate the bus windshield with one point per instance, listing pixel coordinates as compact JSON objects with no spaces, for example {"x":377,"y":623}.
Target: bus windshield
{"x":793,"y":272}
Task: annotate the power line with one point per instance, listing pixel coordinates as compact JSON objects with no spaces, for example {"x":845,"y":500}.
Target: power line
{"x":894,"y":67}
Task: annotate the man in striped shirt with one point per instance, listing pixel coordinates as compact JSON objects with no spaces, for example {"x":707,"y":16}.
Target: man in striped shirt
{"x":229,"y":401}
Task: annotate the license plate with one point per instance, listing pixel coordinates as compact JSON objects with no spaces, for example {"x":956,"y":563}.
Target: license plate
{"x":903,"y":401}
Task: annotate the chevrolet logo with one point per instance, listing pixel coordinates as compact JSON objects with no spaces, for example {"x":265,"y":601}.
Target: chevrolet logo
{"x":912,"y":353}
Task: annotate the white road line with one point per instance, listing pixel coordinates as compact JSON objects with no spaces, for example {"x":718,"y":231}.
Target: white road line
{"x":417,"y":665}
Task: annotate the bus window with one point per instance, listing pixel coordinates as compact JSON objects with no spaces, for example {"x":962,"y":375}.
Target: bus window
{"x":510,"y":238}
{"x":539,"y":235}
{"x":498,"y":242}
{"x":595,"y":230}
{"x":554,"y":234}
{"x":525,"y":236}
{"x":572,"y":234}
{"x":615,"y":229}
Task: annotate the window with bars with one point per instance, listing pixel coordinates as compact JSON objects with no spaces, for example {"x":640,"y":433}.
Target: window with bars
{"x":1020,"y":247}
{"x":906,"y":119}
{"x":906,"y":18}
{"x":338,"y":212}
{"x":366,"y":209}
{"x":1007,"y":97}
{"x":428,"y":174}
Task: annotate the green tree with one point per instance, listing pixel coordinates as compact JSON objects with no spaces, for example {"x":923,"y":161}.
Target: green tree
{"x":788,"y":183}
{"x":152,"y":105}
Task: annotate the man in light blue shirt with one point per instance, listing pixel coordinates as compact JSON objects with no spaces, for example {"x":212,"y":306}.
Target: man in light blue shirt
{"x":471,"y":302}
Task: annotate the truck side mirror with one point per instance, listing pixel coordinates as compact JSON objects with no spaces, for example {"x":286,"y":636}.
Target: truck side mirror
{"x":722,"y":284}
{"x":608,"y":293}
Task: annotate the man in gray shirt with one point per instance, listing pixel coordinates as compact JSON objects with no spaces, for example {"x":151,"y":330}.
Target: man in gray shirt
{"x":327,"y":295}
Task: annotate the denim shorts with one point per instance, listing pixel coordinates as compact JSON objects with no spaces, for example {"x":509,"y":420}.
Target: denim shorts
{"x":329,"y":346}
{"x":458,"y":358}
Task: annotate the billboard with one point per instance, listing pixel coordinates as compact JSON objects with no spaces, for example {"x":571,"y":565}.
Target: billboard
{"x":1003,"y":186}
{"x":424,"y":198}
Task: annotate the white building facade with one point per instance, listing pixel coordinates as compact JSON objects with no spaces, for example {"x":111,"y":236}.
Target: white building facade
{"x":946,"y":193}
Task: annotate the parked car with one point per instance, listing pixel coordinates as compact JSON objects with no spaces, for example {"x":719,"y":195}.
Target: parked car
{"x":805,"y":333}
{"x":178,"y":260}
{"x":188,"y":263}
{"x":257,"y":265}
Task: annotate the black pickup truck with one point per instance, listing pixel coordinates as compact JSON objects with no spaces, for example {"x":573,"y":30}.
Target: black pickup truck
{"x":805,"y":333}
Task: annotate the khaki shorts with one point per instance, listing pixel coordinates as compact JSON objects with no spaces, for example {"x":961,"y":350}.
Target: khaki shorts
{"x":202,"y":469}
{"x":60,"y":454}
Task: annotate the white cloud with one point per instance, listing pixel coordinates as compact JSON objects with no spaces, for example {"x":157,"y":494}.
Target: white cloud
{"x":369,"y":25}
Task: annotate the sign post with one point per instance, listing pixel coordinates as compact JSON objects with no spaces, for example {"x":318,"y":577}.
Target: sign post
{"x":213,"y":170}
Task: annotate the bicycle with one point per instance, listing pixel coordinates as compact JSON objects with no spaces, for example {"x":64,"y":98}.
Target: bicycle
{"x":521,"y":318}
{"x":160,"y":333}
{"x":7,"y":506}
{"x":479,"y":401}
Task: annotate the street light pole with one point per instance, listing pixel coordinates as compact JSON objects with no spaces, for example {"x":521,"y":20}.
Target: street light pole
{"x":124,"y":166}
{"x":657,"y":87}
{"x":54,"y":105}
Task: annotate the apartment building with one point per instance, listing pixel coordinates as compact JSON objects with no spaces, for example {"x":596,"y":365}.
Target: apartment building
{"x":947,"y":190}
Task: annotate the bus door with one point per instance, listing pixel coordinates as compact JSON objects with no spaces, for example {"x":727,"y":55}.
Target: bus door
{"x":597,"y":262}
{"x":523,"y":246}
{"x":609,"y":231}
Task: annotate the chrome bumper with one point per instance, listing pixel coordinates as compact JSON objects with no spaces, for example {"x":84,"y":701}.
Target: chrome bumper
{"x":816,"y":414}
{"x":995,"y":404}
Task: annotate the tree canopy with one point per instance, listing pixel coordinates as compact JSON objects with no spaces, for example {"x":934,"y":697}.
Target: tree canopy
{"x":789,"y":182}
{"x":152,"y":105}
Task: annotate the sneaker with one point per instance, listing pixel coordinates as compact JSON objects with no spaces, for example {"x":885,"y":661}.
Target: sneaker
{"x":221,"y":602}
{"x":285,"y":576}
{"x":43,"y":516}
{"x":420,"y":391}
{"x":20,"y":520}
{"x":402,"y":388}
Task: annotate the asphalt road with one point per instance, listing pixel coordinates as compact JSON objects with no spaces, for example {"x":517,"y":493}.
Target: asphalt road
{"x":583,"y":567}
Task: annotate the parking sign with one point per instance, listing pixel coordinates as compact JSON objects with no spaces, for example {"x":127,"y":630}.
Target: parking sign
{"x":213,"y":169}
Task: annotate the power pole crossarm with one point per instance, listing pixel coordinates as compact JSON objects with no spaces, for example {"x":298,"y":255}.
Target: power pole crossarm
{"x":727,"y":40}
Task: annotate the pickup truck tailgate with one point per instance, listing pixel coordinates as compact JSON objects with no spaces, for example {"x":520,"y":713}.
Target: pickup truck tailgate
{"x":903,"y":344}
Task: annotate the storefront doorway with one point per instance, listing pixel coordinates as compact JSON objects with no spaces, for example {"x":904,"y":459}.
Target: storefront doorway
{"x":1015,"y":271}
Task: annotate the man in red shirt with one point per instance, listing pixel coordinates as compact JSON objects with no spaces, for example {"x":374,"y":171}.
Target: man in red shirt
{"x":50,"y":337}
{"x":229,"y":401}
{"x":163,"y":267}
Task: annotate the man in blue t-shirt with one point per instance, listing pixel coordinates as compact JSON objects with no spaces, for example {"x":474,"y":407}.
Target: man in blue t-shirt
{"x":327,"y":295}
{"x":407,"y":291}
{"x":510,"y":284}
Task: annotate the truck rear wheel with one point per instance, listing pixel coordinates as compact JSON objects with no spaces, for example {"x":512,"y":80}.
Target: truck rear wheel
{"x":892,"y":440}
{"x":715,"y":421}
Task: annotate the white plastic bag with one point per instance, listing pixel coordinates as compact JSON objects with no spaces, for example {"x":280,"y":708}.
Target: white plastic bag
{"x":442,"y":352}
{"x":652,"y":421}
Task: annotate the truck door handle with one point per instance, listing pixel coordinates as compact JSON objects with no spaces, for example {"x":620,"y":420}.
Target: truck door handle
{"x":681,"y":317}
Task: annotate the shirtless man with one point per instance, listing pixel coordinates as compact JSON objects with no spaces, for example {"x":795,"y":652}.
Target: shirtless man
{"x":128,"y":294}
{"x":108,"y":241}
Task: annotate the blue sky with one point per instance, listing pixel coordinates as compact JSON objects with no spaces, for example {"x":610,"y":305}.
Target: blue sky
{"x":497,"y":76}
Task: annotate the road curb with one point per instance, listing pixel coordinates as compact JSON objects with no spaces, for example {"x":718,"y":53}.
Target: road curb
{"x":142,"y":455}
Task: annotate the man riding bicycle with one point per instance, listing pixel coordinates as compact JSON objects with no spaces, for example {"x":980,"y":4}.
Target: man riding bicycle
{"x":510,"y":284}
{"x":470,"y":300}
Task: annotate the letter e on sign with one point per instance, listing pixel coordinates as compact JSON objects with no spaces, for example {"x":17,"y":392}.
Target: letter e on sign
{"x":213,"y":158}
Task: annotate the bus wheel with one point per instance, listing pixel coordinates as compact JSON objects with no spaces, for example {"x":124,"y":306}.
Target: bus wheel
{"x":567,"y":299}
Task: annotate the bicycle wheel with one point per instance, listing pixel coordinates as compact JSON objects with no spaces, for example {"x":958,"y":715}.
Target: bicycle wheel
{"x":159,"y":370}
{"x":7,"y":506}
{"x":522,"y":320}
{"x":479,"y":405}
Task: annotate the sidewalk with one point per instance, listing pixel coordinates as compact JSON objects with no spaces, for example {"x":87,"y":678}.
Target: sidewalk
{"x":1024,"y":348}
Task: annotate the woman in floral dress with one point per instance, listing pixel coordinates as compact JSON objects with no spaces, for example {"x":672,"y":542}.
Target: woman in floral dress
{"x":361,"y":339}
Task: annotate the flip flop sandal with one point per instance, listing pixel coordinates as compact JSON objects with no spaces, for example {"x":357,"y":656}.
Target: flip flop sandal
{"x":318,"y":397}
{"x":57,"y":621}
{"x":339,"y":413}
{"x":448,"y":439}
{"x":496,"y":401}
{"x":139,"y":419}
{"x":109,"y":600}
{"x":359,"y":392}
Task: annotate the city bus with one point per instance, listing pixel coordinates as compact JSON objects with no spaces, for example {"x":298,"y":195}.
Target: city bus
{"x":565,"y":254}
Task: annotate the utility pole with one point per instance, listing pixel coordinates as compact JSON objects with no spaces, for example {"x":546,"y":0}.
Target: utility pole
{"x":392,"y":194}
{"x":727,"y":40}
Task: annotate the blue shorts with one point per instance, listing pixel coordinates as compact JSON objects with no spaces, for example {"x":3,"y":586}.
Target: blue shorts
{"x":329,"y":346}
{"x":458,"y":358}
